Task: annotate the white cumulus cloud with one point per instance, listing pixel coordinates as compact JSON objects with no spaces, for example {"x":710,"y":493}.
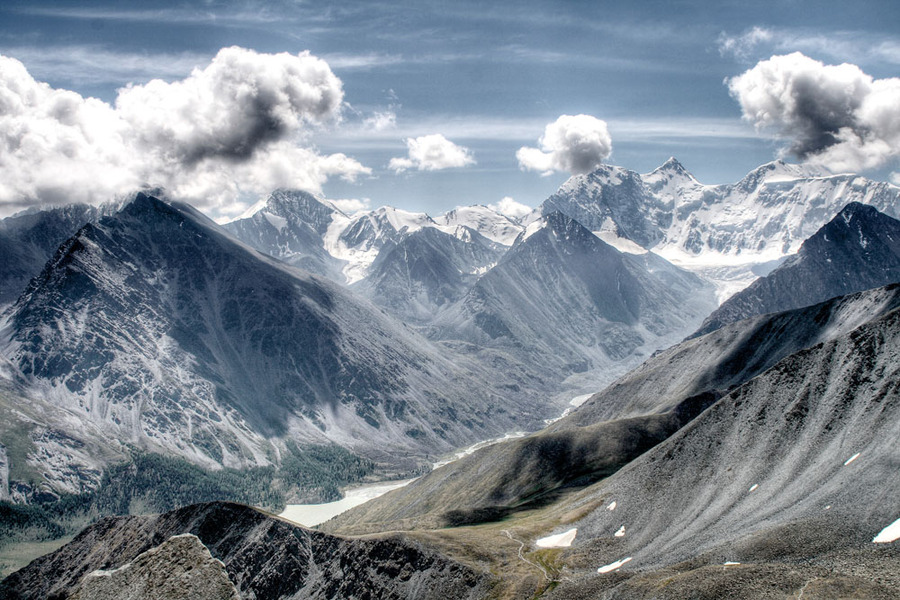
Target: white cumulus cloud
{"x":510,"y":208}
{"x":834,"y":115}
{"x":227,"y":131}
{"x":432,"y":153}
{"x":576,"y":144}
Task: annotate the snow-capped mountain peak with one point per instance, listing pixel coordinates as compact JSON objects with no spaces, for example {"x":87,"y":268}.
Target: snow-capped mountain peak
{"x":489,"y":223}
{"x":778,"y":171}
{"x":726,"y":232}
{"x":670,"y":175}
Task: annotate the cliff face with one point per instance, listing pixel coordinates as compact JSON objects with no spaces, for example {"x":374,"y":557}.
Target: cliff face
{"x":264,"y":557}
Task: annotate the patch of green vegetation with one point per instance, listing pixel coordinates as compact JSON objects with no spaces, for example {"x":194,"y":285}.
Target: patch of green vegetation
{"x":27,"y":521}
{"x":550,"y":560}
{"x":155,"y":483}
{"x":318,"y":472}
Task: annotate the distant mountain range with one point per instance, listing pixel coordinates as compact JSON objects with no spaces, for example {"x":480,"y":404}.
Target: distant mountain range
{"x":729,"y":233}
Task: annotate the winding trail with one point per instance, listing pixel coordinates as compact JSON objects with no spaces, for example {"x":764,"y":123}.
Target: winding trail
{"x":522,"y":556}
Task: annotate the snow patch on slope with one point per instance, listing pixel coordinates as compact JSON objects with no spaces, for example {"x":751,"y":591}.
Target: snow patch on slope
{"x":560,"y":540}
{"x":614,"y":565}
{"x":889,"y":534}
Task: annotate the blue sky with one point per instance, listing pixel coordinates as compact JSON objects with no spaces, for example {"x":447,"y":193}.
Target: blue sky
{"x":487,"y":76}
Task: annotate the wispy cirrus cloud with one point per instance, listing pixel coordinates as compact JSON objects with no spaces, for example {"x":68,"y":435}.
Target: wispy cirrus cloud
{"x":171,"y":15}
{"x":91,"y":64}
{"x":363,"y":133}
{"x":854,"y":46}
{"x":363,"y":61}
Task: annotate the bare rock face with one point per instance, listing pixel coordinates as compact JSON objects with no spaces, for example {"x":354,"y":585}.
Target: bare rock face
{"x":181,"y":568}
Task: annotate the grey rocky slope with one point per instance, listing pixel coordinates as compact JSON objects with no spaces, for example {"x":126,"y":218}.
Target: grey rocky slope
{"x":857,"y":250}
{"x":264,"y":557}
{"x":428,"y":270}
{"x":175,"y":337}
{"x":181,"y":568}
{"x":796,"y":466}
{"x":616,"y":425}
{"x":46,"y":450}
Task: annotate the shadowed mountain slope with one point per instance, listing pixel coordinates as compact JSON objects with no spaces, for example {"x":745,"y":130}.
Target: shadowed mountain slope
{"x":28,"y":240}
{"x":167,"y":333}
{"x":566,"y":303}
{"x":857,"y":250}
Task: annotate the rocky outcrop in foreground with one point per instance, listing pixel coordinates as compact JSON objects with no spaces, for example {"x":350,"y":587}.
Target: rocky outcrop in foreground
{"x":181,"y":568}
{"x":264,"y":557}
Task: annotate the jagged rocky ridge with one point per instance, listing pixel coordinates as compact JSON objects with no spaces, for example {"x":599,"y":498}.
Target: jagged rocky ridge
{"x":857,"y":250}
{"x":264,"y":557}
{"x":174,"y":336}
{"x":29,"y":239}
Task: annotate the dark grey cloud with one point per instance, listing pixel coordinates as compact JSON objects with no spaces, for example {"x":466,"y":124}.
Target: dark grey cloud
{"x":240,"y":102}
{"x":833,"y":114}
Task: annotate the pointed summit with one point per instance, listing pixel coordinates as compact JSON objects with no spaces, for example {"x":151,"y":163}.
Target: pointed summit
{"x":670,"y":180}
{"x":611,"y":198}
{"x":670,"y":170}
{"x":291,"y":226}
